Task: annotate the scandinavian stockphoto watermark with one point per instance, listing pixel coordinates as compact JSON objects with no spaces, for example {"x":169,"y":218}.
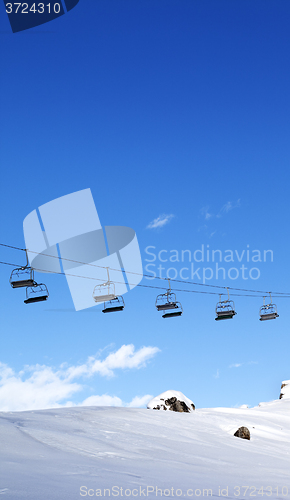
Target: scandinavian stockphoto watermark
{"x":65,"y":236}
{"x":205,"y":263}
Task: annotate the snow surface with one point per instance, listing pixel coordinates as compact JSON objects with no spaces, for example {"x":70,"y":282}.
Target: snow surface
{"x":160,"y":400}
{"x":51,"y":454}
{"x":286,"y":390}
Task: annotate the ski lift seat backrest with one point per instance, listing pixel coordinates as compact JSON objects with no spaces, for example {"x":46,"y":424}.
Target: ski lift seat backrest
{"x":21,"y":283}
{"x":113,"y":309}
{"x":166,"y":306}
{"x":266,"y":316}
{"x":32,"y":300}
{"x":114,"y":305}
{"x":227,"y":312}
{"x":225,"y":315}
{"x":172,"y":314}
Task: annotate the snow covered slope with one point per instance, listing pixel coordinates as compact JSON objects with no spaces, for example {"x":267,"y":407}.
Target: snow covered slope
{"x":71,"y":453}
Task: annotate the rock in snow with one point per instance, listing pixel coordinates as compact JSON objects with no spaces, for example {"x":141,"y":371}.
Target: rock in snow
{"x":243,"y":432}
{"x":171,"y":400}
{"x":285,"y":390}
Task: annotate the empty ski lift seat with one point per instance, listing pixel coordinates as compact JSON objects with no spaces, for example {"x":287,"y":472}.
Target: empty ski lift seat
{"x":36,"y":293}
{"x":22,"y":276}
{"x":104,"y":292}
{"x":268,"y":311}
{"x":225,"y":309}
{"x":167,"y":302}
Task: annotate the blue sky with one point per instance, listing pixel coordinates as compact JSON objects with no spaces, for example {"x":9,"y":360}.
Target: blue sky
{"x":174,"y":111}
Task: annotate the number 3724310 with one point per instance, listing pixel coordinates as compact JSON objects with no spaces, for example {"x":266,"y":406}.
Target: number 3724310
{"x":23,"y":8}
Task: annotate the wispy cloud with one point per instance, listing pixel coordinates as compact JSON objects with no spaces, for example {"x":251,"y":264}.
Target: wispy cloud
{"x":226,"y":208}
{"x":217,"y":375}
{"x":160,"y":221}
{"x":42,"y":386}
{"x":237,"y":365}
{"x":205,"y":212}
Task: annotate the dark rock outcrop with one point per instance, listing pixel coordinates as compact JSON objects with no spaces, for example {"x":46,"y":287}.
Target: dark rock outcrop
{"x":172,"y":401}
{"x":174,"y":404}
{"x":286,"y":386}
{"x":243,"y":433}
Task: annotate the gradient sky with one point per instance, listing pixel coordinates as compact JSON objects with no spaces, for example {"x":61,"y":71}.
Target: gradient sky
{"x":173,"y":111}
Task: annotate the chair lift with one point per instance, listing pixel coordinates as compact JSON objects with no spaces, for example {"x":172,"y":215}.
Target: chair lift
{"x":167,"y":302}
{"x":268,"y":311}
{"x":106,"y":293}
{"x":36,"y":293}
{"x":22,"y":276}
{"x":225,"y":309}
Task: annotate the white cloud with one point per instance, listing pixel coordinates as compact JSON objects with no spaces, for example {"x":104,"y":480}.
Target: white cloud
{"x":139,"y":401}
{"x":160,"y":221}
{"x":42,"y":386}
{"x":104,"y":400}
{"x":125,"y":357}
{"x":235,"y":365}
{"x":217,"y":375}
